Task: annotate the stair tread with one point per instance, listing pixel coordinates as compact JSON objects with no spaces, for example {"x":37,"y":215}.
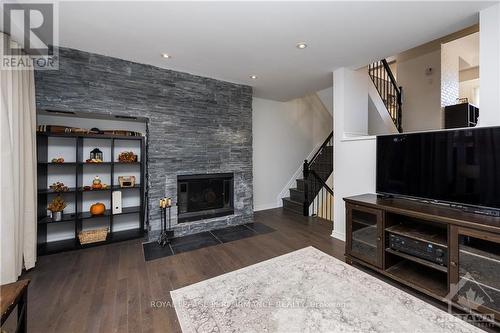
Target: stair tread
{"x":292,"y":201}
{"x":296,"y":189}
{"x":292,"y":206}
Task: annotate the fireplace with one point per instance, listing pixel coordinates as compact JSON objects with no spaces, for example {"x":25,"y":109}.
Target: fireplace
{"x":204,"y":196}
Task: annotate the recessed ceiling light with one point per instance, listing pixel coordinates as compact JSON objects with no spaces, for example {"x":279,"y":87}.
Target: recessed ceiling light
{"x":166,"y":55}
{"x":301,"y":45}
{"x":253,"y":77}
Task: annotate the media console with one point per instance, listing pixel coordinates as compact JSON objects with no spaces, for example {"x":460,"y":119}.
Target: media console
{"x":448,"y":254}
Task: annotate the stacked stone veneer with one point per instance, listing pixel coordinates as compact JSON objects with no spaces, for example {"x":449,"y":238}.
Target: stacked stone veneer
{"x":196,"y":124}
{"x":450,"y":73}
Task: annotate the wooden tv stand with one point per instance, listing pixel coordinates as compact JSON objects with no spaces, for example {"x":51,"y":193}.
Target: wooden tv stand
{"x":470,"y":241}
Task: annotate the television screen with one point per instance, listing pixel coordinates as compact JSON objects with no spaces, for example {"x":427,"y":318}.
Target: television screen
{"x":453,"y":166}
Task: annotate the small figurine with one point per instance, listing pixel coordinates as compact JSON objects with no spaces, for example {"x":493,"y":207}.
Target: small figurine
{"x":96,"y":156}
{"x":96,"y":183}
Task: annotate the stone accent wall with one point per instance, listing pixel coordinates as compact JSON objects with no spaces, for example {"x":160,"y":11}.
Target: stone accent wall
{"x":196,"y":124}
{"x":450,"y":82}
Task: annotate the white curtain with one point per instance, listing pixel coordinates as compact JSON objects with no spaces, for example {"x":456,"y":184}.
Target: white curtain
{"x":18,"y":185}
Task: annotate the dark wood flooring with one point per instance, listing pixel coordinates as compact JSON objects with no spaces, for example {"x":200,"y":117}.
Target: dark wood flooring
{"x":110,"y":288}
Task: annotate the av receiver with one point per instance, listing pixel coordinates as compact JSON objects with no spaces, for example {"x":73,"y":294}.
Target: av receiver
{"x":424,"y":250}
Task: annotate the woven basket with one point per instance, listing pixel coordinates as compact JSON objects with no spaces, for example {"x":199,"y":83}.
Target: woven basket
{"x":93,"y":236}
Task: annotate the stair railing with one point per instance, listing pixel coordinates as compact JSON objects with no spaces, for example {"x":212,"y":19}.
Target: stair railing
{"x":322,"y":204}
{"x":327,"y":143}
{"x":381,"y":74}
{"x":318,"y":196}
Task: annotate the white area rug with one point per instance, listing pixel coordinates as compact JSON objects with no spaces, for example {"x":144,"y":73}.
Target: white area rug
{"x":306,"y":291}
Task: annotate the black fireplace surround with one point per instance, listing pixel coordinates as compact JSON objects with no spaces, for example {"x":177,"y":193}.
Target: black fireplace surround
{"x":204,"y":196}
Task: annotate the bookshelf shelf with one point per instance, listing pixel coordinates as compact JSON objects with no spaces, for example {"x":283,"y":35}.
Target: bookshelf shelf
{"x":76,"y":175}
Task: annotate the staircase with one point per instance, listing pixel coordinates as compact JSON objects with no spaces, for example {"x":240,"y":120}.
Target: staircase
{"x":387,"y":87}
{"x":312,"y":196}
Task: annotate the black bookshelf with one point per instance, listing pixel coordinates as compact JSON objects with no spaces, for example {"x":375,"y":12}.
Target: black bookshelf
{"x":75,"y":194}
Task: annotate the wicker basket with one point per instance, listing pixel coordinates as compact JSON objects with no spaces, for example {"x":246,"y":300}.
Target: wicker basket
{"x":93,"y":236}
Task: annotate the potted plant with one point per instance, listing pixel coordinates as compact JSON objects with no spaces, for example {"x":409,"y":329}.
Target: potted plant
{"x":56,"y":207}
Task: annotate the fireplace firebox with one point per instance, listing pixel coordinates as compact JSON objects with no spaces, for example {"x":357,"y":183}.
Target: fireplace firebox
{"x":204,"y":196}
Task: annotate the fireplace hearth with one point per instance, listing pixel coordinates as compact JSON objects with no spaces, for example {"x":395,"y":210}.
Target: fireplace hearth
{"x":204,"y":196}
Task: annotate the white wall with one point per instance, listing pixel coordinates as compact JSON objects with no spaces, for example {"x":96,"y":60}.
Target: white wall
{"x":421,"y":91}
{"x":284,"y":134}
{"x":326,"y":96}
{"x":468,"y":90}
{"x":354,"y":157}
{"x":376,"y":124}
{"x":355,"y":119}
{"x":379,"y":119}
{"x":456,"y":55}
{"x":489,"y":69}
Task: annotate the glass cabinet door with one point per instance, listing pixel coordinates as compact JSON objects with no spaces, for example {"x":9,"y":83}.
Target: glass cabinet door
{"x":364,"y":229}
{"x":476,"y":275}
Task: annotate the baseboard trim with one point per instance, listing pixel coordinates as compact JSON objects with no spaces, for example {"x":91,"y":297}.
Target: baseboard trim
{"x":338,"y":235}
{"x":256,"y":208}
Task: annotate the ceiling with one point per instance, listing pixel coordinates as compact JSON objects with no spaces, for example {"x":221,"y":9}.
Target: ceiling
{"x":233,"y":40}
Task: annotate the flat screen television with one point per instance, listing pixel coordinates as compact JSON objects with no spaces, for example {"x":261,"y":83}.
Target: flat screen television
{"x":460,"y":167}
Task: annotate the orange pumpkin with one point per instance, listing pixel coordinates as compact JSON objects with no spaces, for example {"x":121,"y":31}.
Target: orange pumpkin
{"x":97,"y":209}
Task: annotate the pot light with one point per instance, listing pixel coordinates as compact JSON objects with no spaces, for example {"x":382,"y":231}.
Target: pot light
{"x":301,"y":45}
{"x":166,"y":55}
{"x":253,"y":77}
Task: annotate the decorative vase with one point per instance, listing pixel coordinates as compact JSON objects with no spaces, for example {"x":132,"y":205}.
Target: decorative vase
{"x":57,"y":216}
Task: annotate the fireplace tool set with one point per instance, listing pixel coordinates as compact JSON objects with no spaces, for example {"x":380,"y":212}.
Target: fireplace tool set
{"x":166,"y":234}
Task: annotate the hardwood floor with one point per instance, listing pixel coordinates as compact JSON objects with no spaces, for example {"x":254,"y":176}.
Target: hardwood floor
{"x":111,"y":288}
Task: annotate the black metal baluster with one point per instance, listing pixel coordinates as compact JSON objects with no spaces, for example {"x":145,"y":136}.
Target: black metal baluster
{"x":382,"y":72}
{"x":330,"y":209}
{"x":378,"y":80}
{"x":313,"y":210}
{"x":327,"y":206}
{"x":386,"y":88}
{"x":305,"y":177}
{"x":390,"y":104}
{"x":394,"y":102}
{"x":321,"y":202}
{"x":386,"y":94}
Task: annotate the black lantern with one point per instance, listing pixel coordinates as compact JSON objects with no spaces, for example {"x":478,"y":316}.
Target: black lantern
{"x":96,"y":154}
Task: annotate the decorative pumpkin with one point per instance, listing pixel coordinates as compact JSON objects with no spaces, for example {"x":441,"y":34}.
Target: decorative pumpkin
{"x":97,"y":209}
{"x":96,"y":183}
